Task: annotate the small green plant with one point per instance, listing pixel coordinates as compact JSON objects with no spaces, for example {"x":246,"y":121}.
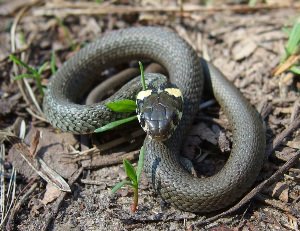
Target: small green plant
{"x":124,"y":105}
{"x":133,"y":175}
{"x":142,"y":76}
{"x":291,"y":59}
{"x":252,"y":3}
{"x":292,"y":47}
{"x":53,"y":62}
{"x":115,"y":124}
{"x":32,"y":73}
{"x":133,"y":178}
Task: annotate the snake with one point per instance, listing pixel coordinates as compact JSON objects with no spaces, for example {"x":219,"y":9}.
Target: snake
{"x":162,"y":167}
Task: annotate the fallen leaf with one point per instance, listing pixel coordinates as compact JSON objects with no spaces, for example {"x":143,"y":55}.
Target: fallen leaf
{"x":35,"y":139}
{"x":48,"y":149}
{"x":51,"y":194}
{"x":293,"y":222}
{"x":243,"y":49}
{"x":205,"y":133}
{"x":280,"y":191}
{"x":7,"y":106}
{"x":294,"y":143}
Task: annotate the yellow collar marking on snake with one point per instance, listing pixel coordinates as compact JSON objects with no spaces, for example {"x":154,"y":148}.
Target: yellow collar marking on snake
{"x":174,"y":92}
{"x":143,"y":94}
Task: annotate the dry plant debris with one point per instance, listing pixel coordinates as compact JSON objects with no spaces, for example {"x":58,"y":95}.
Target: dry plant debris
{"x":246,"y":42}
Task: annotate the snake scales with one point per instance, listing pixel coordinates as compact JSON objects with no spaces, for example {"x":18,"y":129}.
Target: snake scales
{"x":162,"y":167}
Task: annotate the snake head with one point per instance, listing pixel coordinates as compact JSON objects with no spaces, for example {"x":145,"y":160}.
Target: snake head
{"x":159,"y":111}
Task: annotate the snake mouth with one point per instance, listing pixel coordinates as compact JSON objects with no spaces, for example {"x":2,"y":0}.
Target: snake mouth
{"x":159,"y":130}
{"x":159,"y":138}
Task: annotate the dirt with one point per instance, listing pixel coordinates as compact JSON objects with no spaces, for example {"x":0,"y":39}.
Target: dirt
{"x":247,"y":46}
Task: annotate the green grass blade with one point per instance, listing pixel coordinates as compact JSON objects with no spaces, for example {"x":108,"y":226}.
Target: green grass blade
{"x":21,"y":63}
{"x":39,"y":85}
{"x":115,"y":124}
{"x":130,"y":171}
{"x":142,"y":76}
{"x":124,"y":105}
{"x":53,"y":62}
{"x":295,"y":69}
{"x":42,"y":68}
{"x":294,"y":39}
{"x":140,"y":164}
{"x":22,"y":76}
{"x":252,"y":3}
{"x":120,"y":185}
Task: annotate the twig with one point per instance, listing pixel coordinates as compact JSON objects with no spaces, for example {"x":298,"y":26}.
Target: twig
{"x":92,"y":182}
{"x":24,"y":81}
{"x":53,"y":212}
{"x":242,"y":220}
{"x":120,"y":140}
{"x":32,"y":96}
{"x":17,"y":52}
{"x":10,"y":7}
{"x":111,"y":159}
{"x":35,"y":140}
{"x":276,"y":204}
{"x":11,"y":190}
{"x":253,"y":192}
{"x":64,"y":9}
{"x":13,"y":49}
{"x":38,"y":165}
{"x":18,"y":205}
{"x":36,"y":116}
{"x":280,"y":137}
{"x":2,"y":182}
{"x":286,"y":65}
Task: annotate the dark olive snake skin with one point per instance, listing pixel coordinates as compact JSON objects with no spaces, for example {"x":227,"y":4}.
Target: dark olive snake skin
{"x":162,"y":166}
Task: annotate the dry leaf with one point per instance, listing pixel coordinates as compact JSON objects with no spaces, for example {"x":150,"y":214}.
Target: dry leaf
{"x":205,"y":133}
{"x":286,"y":65}
{"x":47,"y":157}
{"x":243,"y":49}
{"x":35,"y":139}
{"x":294,"y":143}
{"x":279,"y":190}
{"x":51,"y":194}
{"x":293,"y":222}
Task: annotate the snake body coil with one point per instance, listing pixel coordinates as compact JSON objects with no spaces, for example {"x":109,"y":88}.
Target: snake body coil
{"x":162,"y":166}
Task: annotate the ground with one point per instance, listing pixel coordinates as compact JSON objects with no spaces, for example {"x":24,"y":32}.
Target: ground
{"x":247,"y":44}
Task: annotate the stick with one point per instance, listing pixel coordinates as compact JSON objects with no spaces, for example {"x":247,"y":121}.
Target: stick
{"x":64,"y":9}
{"x":280,"y":137}
{"x":53,"y":212}
{"x":253,"y":192}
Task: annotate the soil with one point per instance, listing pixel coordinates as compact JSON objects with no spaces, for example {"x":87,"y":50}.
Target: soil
{"x":247,"y":44}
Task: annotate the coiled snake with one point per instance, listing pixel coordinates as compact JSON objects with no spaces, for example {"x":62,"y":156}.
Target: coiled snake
{"x":162,"y":166}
